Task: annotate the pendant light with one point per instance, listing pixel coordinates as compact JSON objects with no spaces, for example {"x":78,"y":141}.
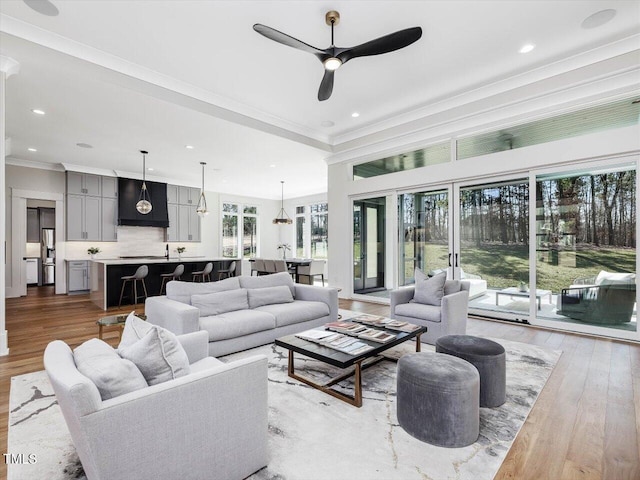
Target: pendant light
{"x":144,"y":201}
{"x":201,"y":209}
{"x":282,"y":217}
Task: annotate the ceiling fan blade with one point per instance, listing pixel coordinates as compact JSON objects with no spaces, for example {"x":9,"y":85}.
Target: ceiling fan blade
{"x":386,"y":44}
{"x":283,"y":38}
{"x":326,"y":86}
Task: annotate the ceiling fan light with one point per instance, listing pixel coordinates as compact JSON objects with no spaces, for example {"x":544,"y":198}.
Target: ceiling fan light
{"x":332,"y":63}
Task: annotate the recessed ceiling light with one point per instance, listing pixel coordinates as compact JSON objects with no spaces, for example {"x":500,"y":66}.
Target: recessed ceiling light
{"x":527,"y":48}
{"x":150,"y":169}
{"x":84,"y":145}
{"x":272,"y":166}
{"x":327,"y":123}
{"x":45,"y":7}
{"x":599,"y":18}
{"x":189,"y":147}
{"x":31,"y":149}
{"x":37,"y":111}
{"x":355,"y":114}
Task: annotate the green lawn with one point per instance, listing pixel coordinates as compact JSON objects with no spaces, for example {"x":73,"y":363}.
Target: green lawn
{"x":507,"y":265}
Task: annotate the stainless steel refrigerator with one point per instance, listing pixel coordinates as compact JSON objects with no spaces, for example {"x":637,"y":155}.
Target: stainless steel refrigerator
{"x":48,"y":256}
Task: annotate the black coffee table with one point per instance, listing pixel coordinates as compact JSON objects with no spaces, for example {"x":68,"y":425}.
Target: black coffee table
{"x":344,"y":360}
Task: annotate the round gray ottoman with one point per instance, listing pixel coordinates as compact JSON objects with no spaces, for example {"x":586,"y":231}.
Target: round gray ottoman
{"x":488,"y":357}
{"x":437,"y":399}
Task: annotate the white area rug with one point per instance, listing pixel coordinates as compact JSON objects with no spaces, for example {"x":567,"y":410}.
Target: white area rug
{"x":311,"y":434}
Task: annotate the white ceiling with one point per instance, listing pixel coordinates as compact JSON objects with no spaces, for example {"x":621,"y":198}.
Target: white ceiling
{"x":128,"y":75}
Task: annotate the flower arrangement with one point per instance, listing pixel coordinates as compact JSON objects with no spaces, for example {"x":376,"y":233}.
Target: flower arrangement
{"x":93,"y":250}
{"x":284,"y":247}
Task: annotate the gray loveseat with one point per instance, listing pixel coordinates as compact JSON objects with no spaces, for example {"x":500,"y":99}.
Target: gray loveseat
{"x":242,"y":312}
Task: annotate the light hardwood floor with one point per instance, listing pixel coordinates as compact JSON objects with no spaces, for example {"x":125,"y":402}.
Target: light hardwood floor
{"x":585,"y":424}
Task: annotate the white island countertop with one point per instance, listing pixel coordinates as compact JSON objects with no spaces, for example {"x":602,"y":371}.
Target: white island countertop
{"x":135,"y":261}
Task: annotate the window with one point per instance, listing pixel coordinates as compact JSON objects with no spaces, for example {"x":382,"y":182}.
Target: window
{"x":319,"y":230}
{"x":232,"y":216}
{"x":431,"y":155}
{"x":300,"y":231}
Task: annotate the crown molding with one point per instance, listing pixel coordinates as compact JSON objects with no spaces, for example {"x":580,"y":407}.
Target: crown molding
{"x":21,"y":162}
{"x":9,"y":66}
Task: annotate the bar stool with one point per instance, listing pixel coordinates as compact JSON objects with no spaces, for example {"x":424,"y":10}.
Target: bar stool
{"x":227,"y":272}
{"x":203,"y":275}
{"x":140,"y":274}
{"x":175,"y":275}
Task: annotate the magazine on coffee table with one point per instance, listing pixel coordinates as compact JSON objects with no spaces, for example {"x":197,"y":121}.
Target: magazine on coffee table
{"x":383,"y":322}
{"x":375,"y":335}
{"x":349,"y":328}
{"x":337,"y":341}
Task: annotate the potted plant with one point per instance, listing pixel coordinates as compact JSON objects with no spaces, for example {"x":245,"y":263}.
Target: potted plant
{"x":180,"y":250}
{"x":93,"y":251}
{"x":523,"y":287}
{"x":284,"y":247}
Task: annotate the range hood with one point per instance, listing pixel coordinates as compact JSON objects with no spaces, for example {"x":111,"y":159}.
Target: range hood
{"x":128,"y":193}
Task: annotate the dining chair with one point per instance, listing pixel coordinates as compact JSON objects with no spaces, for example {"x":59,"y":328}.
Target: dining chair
{"x":257,"y":266}
{"x":315,"y":268}
{"x":269,"y":266}
{"x":281,"y":266}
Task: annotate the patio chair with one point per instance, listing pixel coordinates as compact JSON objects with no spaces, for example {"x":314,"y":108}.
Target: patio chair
{"x":606,"y":299}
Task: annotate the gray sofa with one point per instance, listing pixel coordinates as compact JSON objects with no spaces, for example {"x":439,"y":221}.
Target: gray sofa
{"x":242,"y":312}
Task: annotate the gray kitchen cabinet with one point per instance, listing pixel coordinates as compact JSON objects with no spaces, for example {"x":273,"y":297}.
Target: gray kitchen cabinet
{"x":188,"y":195}
{"x":184,"y":222}
{"x":109,"y":187}
{"x":77,"y":276}
{"x":84,"y":218}
{"x":84,"y":184}
{"x":194,"y":226}
{"x":33,"y":226}
{"x":32,"y":271}
{"x":109,"y":219}
{"x":47,"y":217}
{"x":172,"y":230}
{"x":184,"y":212}
{"x":172,"y":194}
{"x":188,"y":224}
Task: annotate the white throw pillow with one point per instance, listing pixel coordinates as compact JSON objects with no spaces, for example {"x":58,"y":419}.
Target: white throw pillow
{"x":158,"y":355}
{"x":134,"y":329}
{"x":114,"y":376}
{"x":269,"y":296}
{"x":221,"y":302}
{"x":429,"y":291}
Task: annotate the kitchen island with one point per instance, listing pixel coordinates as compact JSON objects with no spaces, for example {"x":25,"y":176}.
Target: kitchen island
{"x":106,"y":275}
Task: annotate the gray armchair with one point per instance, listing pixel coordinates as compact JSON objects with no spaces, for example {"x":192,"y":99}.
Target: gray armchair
{"x":450,"y":318}
{"x":606,"y":299}
{"x":210,"y":423}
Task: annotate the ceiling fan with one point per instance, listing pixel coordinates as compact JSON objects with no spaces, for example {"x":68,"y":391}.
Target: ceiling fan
{"x":333,"y":57}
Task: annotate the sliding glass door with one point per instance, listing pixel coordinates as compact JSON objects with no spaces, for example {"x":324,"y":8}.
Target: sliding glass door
{"x":493,"y":247}
{"x":586,"y":247}
{"x":369,"y":245}
{"x":423,"y":233}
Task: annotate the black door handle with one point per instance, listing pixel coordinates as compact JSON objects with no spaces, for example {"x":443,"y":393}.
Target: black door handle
{"x":456,"y":260}
{"x":449,"y":259}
